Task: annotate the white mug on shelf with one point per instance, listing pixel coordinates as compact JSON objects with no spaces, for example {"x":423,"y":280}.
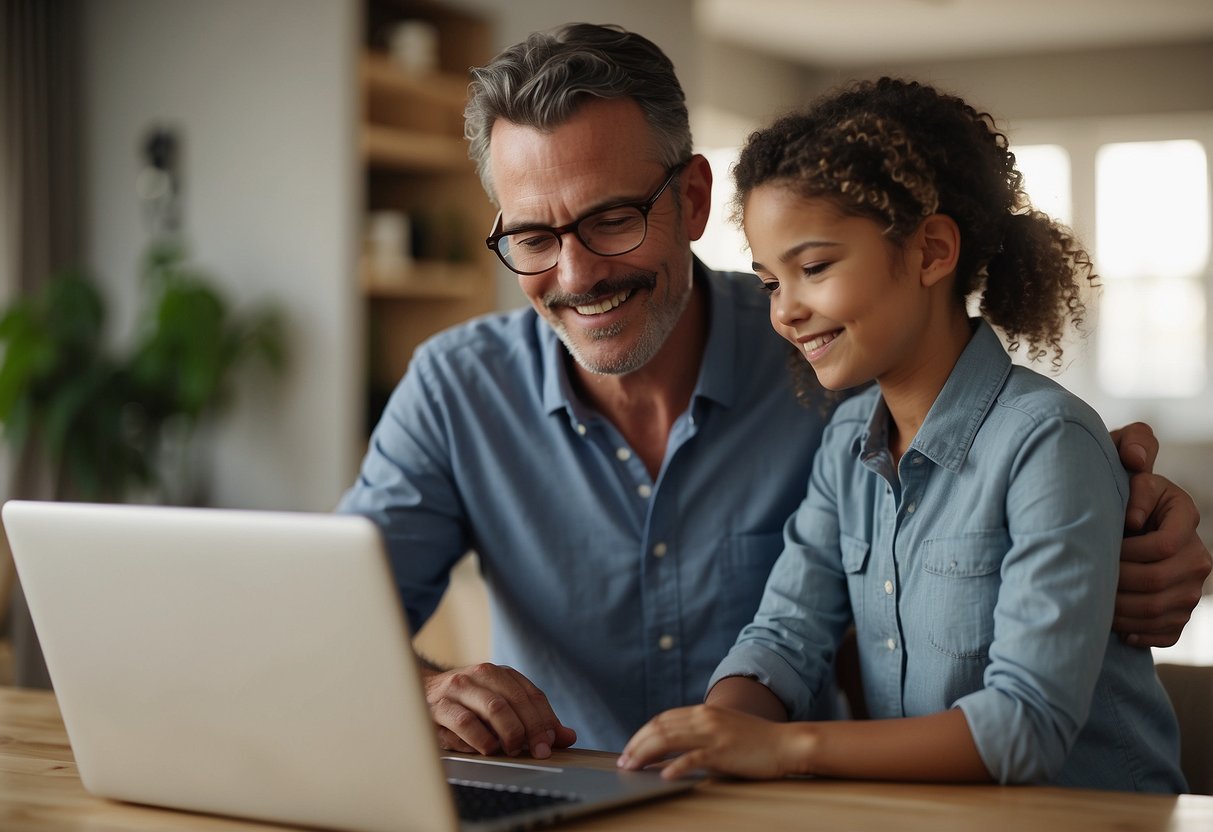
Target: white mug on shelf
{"x":388,"y":241}
{"x":413,"y":45}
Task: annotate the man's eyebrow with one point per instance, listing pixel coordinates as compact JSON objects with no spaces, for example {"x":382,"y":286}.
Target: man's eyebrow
{"x":796,"y":250}
{"x":601,"y":205}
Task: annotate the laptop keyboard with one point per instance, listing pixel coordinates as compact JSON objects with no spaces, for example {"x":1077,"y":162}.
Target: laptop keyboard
{"x":482,"y":801}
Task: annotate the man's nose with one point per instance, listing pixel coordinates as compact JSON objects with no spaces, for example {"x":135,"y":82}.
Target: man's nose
{"x":578,"y":269}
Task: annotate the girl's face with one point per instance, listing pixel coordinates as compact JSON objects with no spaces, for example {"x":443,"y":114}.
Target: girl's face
{"x":840,"y":291}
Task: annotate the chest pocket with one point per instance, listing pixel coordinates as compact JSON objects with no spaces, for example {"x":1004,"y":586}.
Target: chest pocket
{"x":961,"y":582}
{"x":855,"y":565}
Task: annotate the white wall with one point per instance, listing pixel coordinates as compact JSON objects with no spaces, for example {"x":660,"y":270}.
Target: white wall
{"x":263,"y":96}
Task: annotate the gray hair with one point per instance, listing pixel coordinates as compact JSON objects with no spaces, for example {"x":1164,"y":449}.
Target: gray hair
{"x":541,"y":82}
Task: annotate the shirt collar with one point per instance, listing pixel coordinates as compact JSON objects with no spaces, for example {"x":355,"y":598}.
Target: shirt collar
{"x":717,"y":371}
{"x":960,"y":408}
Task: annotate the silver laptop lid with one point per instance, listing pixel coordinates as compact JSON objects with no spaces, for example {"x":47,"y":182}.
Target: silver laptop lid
{"x":227,"y":661}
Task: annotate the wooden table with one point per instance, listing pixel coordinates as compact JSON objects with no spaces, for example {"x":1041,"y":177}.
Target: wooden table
{"x":40,"y":791}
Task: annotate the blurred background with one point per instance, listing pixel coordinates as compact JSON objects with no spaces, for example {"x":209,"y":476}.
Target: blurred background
{"x":306,"y":155}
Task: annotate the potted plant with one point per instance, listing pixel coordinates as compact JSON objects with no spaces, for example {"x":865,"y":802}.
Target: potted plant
{"x":97,"y":419}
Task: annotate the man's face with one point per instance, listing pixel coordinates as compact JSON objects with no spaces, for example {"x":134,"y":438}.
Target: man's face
{"x":612,"y":313}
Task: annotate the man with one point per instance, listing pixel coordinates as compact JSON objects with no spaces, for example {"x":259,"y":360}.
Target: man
{"x":623,"y":454}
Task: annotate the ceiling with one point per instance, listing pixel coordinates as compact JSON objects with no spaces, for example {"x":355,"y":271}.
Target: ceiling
{"x":855,"y":32}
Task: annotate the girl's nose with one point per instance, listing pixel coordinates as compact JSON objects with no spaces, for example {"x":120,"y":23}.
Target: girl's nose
{"x":789,"y":307}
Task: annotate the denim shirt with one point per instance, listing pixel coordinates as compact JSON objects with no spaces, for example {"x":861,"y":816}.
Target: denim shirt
{"x":981,"y":574}
{"x":615,"y":592}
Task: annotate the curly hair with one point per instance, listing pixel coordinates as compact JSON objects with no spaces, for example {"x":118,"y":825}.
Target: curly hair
{"x":897,"y":151}
{"x":542,"y":81}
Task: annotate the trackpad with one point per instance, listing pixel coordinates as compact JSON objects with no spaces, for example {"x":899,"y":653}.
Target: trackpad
{"x":497,"y":772}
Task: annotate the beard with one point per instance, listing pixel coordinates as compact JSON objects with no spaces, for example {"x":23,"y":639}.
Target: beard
{"x":661,"y":314}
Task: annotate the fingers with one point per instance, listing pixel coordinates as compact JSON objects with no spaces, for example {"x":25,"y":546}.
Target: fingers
{"x":1162,"y":575}
{"x":538,"y":718}
{"x":464,"y":712}
{"x":697,"y":759}
{"x":488,"y":708}
{"x":1156,"y":503}
{"x":706,"y":737}
{"x":1155,"y":620}
{"x":665,"y":734}
{"x":565,"y":737}
{"x":449,"y":740}
{"x":1135,"y":633}
{"x":1137,"y":447}
{"x":1145,"y":493}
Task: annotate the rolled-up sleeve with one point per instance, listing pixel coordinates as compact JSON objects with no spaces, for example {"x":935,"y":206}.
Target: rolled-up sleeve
{"x":1065,"y":510}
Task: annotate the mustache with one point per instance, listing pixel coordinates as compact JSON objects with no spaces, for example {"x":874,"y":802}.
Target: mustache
{"x":604,"y":288}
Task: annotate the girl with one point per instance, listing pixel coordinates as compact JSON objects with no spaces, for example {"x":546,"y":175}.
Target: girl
{"x":965,"y":513}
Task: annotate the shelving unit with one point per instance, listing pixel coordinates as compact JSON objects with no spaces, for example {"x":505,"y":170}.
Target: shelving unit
{"x":415,"y":162}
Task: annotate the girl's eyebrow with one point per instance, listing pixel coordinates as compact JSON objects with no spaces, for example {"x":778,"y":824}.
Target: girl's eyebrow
{"x":796,"y":251}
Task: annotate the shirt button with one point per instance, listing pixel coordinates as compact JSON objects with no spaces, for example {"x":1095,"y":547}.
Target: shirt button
{"x":665,"y":642}
{"x":917,"y":460}
{"x":580,"y":429}
{"x":644,"y":491}
{"x":659,"y":550}
{"x":888,"y":587}
{"x":910,"y":508}
{"x":891,"y":644}
{"x":623,"y":454}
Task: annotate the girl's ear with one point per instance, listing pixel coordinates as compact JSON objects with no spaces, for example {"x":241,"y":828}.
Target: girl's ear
{"x":938,"y":238}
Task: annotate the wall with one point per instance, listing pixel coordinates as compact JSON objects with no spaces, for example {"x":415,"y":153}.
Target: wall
{"x":1128,"y":81}
{"x":262,"y":93}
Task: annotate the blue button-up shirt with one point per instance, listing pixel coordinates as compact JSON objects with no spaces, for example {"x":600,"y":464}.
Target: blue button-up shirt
{"x":615,"y":592}
{"x":981,"y":573}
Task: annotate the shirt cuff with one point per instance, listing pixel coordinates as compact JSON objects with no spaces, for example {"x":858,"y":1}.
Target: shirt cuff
{"x":1012,"y":748}
{"x":771,"y":670}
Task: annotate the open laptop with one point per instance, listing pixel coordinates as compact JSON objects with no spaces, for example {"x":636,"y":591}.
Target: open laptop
{"x":258,"y":664}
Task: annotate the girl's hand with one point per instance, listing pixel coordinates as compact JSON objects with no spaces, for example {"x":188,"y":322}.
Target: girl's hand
{"x":719,"y":740}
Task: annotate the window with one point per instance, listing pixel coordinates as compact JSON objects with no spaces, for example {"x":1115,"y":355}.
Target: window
{"x":1152,"y":247}
{"x":1137,"y":193}
{"x":1046,"y":178}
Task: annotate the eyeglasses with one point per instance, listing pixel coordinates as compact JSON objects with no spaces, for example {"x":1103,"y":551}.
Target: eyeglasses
{"x":607,"y":232}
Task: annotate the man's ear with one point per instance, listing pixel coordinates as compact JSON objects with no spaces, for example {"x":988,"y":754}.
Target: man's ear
{"x":938,"y":237}
{"x":695,"y":186}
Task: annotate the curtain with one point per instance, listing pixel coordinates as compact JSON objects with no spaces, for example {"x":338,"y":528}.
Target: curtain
{"x":39,"y":49}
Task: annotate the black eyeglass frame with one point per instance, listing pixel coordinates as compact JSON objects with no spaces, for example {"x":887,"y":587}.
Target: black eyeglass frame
{"x":644,"y":207}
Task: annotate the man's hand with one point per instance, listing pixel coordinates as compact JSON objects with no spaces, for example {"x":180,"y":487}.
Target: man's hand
{"x":488,"y":708}
{"x":1163,"y":563}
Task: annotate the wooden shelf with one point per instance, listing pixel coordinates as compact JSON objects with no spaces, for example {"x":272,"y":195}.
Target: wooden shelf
{"x":399,"y":149}
{"x":415,"y":163}
{"x":380,"y":75}
{"x":422,"y":280}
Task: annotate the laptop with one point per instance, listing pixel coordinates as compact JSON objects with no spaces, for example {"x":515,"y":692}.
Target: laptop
{"x":258,"y":664}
